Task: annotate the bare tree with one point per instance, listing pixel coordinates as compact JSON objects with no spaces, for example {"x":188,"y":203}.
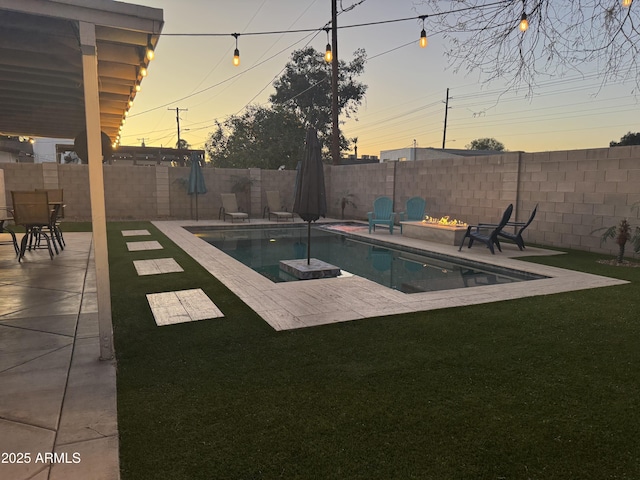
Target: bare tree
{"x":582,"y":36}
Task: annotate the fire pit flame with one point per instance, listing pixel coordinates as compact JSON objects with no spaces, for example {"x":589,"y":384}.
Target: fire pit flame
{"x":444,"y":221}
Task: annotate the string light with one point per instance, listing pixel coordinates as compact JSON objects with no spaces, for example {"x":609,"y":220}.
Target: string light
{"x":626,"y":3}
{"x":423,"y":34}
{"x":524,"y":23}
{"x":328,"y":54}
{"x":236,"y":52}
{"x":143,"y":71}
{"x":150,"y":54}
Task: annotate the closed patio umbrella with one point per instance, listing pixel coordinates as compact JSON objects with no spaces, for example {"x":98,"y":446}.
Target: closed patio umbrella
{"x":310,"y":197}
{"x":196,"y":179}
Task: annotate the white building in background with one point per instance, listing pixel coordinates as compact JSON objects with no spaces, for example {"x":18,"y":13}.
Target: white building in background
{"x":411,"y":154}
{"x":44,"y":149}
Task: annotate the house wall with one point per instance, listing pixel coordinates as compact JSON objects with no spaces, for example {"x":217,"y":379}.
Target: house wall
{"x":576,"y":191}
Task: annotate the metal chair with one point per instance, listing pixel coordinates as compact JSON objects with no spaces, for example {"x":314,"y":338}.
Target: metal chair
{"x":275,"y":207}
{"x":56,"y":208}
{"x":230,"y":208}
{"x":31,"y":210}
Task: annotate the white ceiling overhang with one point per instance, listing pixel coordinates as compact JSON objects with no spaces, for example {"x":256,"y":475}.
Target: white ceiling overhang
{"x":41,"y":80}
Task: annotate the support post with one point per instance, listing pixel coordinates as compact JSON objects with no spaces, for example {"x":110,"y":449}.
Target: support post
{"x":446,"y":113}
{"x":335,"y":137}
{"x":96,"y":186}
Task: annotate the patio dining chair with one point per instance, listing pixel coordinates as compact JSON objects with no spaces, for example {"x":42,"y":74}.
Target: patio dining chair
{"x":382,"y":214}
{"x":487,"y":233}
{"x":414,"y":211}
{"x":56,"y":208}
{"x":31,"y":210}
{"x":275,"y":207}
{"x":230,"y":208}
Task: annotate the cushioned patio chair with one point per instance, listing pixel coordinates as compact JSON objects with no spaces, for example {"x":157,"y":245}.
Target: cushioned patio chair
{"x":230,"y":208}
{"x":275,"y":207}
{"x":487,"y":233}
{"x":382,"y":214}
{"x":31,"y":210}
{"x":519,"y":228}
{"x":414,"y":211}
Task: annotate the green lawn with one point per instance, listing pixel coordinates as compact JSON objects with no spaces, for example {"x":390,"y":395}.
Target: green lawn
{"x":538,"y":388}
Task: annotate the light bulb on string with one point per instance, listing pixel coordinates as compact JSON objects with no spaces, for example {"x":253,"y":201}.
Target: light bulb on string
{"x":524,"y":23}
{"x":423,"y":35}
{"x":328,"y":54}
{"x":150,"y":53}
{"x":626,"y":3}
{"x":236,"y":52}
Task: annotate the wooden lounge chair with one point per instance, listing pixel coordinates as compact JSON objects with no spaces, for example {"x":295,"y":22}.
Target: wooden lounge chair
{"x":519,"y":228}
{"x":382,"y":214}
{"x":275,"y":207}
{"x":31,"y":210}
{"x":230,"y":208}
{"x":487,"y":233}
{"x":414,"y":211}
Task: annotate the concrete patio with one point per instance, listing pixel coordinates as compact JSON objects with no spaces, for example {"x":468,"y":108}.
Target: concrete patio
{"x":57,"y":396}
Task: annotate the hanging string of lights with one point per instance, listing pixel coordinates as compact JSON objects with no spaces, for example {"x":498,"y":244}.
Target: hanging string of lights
{"x":523,"y":26}
{"x":423,"y":42}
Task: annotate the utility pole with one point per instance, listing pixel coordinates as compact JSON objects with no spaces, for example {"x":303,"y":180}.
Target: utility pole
{"x":446,"y":111}
{"x":142,"y":141}
{"x":335,"y":138}
{"x":178,"y":110}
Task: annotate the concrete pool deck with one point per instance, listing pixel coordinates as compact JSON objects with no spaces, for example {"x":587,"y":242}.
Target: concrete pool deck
{"x":309,"y":303}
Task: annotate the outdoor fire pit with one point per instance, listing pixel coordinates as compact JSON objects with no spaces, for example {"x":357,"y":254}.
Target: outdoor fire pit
{"x":439,"y":230}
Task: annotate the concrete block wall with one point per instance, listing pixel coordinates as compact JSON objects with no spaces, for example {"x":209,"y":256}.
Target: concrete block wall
{"x":74,"y":180}
{"x":364,"y":182}
{"x":576,"y":191}
{"x":130,"y":192}
{"x":282,"y":181}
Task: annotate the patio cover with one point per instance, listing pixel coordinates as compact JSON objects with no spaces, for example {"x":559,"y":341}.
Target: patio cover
{"x":68,"y":66}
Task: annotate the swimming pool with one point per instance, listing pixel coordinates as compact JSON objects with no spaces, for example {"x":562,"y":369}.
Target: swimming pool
{"x":405,"y":269}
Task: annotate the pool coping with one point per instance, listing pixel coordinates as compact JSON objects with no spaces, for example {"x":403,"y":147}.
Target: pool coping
{"x":308,"y":303}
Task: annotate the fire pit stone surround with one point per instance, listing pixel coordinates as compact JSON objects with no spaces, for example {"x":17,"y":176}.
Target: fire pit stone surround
{"x":433,"y":232}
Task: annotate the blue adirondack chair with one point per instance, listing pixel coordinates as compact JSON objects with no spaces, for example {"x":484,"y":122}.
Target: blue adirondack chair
{"x":382,"y":214}
{"x":415,"y":211}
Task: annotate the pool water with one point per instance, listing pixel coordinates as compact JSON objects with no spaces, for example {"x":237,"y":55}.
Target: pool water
{"x":404,"y":269}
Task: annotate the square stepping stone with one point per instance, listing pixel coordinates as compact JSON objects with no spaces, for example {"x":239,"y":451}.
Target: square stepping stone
{"x":156,"y":266}
{"x":138,"y":246}
{"x":183,"y":306}
{"x":134,"y":233}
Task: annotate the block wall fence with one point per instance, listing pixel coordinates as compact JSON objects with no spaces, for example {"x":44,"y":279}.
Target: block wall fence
{"x":577,"y":191}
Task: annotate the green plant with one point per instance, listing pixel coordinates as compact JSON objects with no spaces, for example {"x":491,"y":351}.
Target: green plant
{"x":344,"y":200}
{"x":622,"y":233}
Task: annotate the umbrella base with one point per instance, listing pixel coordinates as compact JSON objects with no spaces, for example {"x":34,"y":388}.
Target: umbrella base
{"x":315,"y":269}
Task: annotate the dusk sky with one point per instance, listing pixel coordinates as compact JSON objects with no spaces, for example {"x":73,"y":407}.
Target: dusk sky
{"x":406,"y":84}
